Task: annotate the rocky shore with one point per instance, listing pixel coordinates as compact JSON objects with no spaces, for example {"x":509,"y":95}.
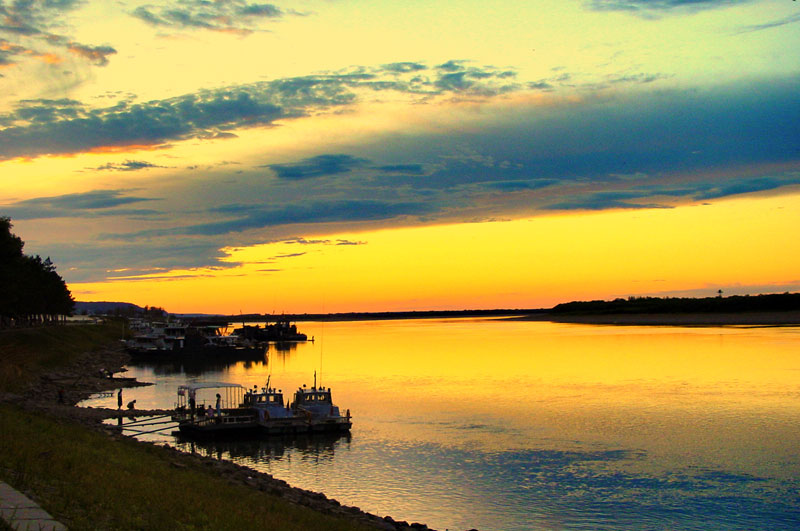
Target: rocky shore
{"x":57,"y":394}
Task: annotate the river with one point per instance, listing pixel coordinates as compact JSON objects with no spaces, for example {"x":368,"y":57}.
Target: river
{"x":513,"y":425}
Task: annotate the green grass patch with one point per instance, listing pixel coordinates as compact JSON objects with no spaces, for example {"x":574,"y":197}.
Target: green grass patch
{"x":26,"y":353}
{"x":90,"y":481}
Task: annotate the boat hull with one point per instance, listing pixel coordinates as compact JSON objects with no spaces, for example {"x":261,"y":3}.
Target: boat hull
{"x":249,"y":425}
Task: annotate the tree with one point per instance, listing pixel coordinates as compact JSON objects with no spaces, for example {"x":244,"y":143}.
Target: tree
{"x":31,"y":291}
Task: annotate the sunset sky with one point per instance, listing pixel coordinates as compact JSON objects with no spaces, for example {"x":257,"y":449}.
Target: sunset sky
{"x":343,"y":155}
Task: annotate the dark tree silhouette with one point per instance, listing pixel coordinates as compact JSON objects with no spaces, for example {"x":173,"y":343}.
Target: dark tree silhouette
{"x":31,"y":292}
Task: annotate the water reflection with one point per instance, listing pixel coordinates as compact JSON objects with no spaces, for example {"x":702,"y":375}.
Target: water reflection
{"x":319,"y":447}
{"x":510,"y":425}
{"x":194,"y":367}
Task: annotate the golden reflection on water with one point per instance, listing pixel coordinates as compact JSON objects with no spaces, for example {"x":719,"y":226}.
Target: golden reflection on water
{"x":502,"y":424}
{"x":691,"y":394}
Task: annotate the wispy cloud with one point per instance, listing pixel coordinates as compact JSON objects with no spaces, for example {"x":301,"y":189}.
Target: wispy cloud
{"x":95,"y":260}
{"x":319,"y":166}
{"x":86,"y":204}
{"x":792,"y":19}
{"x":643,"y":196}
{"x":235,"y":16}
{"x":53,"y":127}
{"x":28,"y":30}
{"x":96,"y":54}
{"x":649,"y":8}
{"x":304,"y":213}
{"x":128,"y":165}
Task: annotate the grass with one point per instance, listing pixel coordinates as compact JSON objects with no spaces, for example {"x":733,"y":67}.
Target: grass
{"x":26,"y":353}
{"x":89,"y":480}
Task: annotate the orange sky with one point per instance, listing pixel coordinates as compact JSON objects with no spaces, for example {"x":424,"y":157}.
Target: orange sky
{"x":365,"y":156}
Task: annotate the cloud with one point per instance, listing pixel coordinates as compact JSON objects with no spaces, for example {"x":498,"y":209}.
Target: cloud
{"x":235,"y":16}
{"x":792,"y":19}
{"x":514,"y":186}
{"x":304,"y":241}
{"x":149,"y":124}
{"x":319,"y":166}
{"x":128,"y":165}
{"x":597,"y":150}
{"x":698,"y":191}
{"x":404,"y":67}
{"x":404,"y":169}
{"x":333,"y":211}
{"x":458,"y":77}
{"x":94,"y":260}
{"x":28,"y":27}
{"x":339,"y":163}
{"x":86,"y":204}
{"x":96,"y":54}
{"x":648,"y":8}
{"x":602,"y":201}
{"x":744,"y":186}
{"x":57,"y":127}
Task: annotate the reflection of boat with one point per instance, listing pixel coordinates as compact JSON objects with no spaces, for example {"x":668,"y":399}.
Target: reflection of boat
{"x":265,"y":448}
{"x":281,"y":330}
{"x":264,"y":412}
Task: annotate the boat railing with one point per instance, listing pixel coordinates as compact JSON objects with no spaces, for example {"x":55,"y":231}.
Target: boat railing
{"x":224,"y":418}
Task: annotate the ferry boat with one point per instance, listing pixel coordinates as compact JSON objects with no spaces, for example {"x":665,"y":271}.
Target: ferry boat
{"x":196,"y":415}
{"x":255,"y":412}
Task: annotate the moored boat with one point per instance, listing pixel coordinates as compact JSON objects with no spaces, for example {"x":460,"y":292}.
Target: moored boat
{"x":316,"y":405}
{"x":165,"y":341}
{"x":281,"y":331}
{"x":196,"y":416}
{"x":255,"y":412}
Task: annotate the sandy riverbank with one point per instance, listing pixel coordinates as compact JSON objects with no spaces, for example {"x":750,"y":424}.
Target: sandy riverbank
{"x":89,"y":375}
{"x":674,"y":319}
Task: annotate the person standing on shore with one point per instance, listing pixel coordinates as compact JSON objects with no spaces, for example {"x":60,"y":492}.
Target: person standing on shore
{"x":218,"y":401}
{"x":119,"y":399}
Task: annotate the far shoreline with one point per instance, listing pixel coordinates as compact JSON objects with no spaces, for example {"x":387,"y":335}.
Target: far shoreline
{"x":789,"y":318}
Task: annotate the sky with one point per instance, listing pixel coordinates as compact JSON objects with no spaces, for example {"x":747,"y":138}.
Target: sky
{"x":226,"y":156}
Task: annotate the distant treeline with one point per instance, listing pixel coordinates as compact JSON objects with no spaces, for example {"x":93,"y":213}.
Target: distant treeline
{"x":783,"y":302}
{"x":31,"y":292}
{"x":365,"y":316}
{"x":119,"y":309}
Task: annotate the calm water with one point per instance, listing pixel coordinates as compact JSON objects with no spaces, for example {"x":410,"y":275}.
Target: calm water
{"x":505,"y":425}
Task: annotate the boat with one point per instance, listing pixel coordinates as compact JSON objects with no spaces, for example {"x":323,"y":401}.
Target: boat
{"x":242,"y":412}
{"x":316,"y":405}
{"x":159,"y":340}
{"x":195,"y":416}
{"x":280,"y":331}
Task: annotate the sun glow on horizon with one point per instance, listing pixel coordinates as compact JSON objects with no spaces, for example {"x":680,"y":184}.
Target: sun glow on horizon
{"x":524,"y":263}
